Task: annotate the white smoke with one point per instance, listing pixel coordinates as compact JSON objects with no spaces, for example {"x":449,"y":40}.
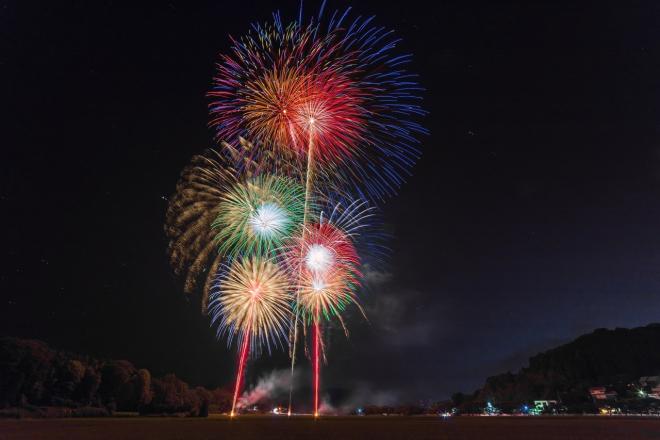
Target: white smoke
{"x":276,"y":383}
{"x":326,"y":408}
{"x":374,"y":277}
{"x":363,"y":394}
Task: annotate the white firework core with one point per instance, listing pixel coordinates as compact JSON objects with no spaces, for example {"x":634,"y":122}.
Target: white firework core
{"x":319,"y":258}
{"x":318,"y":284}
{"x":255,"y":291}
{"x":268,"y":220}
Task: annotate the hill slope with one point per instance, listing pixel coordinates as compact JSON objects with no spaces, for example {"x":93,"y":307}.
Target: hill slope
{"x":613,"y":358}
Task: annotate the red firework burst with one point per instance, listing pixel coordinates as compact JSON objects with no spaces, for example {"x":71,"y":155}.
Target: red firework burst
{"x":325,"y":264}
{"x":291,"y":91}
{"x":336,"y":87}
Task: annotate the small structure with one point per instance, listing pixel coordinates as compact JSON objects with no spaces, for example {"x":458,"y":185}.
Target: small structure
{"x":650,"y":386}
{"x":544,"y":406}
{"x":602,"y":394}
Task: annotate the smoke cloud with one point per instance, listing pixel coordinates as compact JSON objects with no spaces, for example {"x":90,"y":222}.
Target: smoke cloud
{"x":364,"y":394}
{"x":274,"y":384}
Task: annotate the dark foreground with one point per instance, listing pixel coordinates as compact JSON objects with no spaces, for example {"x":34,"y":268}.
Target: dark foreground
{"x":340,"y":428}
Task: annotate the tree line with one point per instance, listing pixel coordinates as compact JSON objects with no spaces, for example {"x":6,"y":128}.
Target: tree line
{"x":33,"y":376}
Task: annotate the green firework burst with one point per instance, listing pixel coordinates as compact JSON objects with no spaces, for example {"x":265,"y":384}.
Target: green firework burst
{"x":256,"y":216}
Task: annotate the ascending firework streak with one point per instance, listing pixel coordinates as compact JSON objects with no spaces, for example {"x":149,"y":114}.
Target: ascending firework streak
{"x":242,"y":359}
{"x":251,"y":303}
{"x":317,"y":358}
{"x":308,"y":193}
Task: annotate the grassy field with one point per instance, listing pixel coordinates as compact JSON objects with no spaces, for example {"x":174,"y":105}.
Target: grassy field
{"x":335,"y":428}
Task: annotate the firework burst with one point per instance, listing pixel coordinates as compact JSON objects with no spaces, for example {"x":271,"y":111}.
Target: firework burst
{"x":325,"y":264}
{"x":258,"y":215}
{"x":337,"y":87}
{"x":252,"y":299}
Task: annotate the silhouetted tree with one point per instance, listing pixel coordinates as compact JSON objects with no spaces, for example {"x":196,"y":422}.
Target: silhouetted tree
{"x":222,"y":399}
{"x":172,"y":395}
{"x":116,"y":390}
{"x":89,"y":385}
{"x":204,"y":397}
{"x":25,"y":368}
{"x":458,"y":399}
{"x":143,"y":388}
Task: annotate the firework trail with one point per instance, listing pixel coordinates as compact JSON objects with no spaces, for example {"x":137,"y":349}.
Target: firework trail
{"x":317,"y":369}
{"x":240,"y":372}
{"x":251,"y":302}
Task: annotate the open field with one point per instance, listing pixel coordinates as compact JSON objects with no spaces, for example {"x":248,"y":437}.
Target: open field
{"x":336,"y":428}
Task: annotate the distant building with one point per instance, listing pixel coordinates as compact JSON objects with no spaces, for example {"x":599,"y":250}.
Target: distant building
{"x":544,"y":406}
{"x":650,"y":386}
{"x":649,"y":381}
{"x":602,"y":394}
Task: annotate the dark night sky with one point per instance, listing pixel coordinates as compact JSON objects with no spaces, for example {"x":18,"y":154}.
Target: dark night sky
{"x":532,"y":217}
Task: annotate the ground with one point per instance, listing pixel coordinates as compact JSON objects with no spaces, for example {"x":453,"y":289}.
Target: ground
{"x":335,"y":428}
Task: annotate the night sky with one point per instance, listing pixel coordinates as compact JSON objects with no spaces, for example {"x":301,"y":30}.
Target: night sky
{"x":532,"y":217}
